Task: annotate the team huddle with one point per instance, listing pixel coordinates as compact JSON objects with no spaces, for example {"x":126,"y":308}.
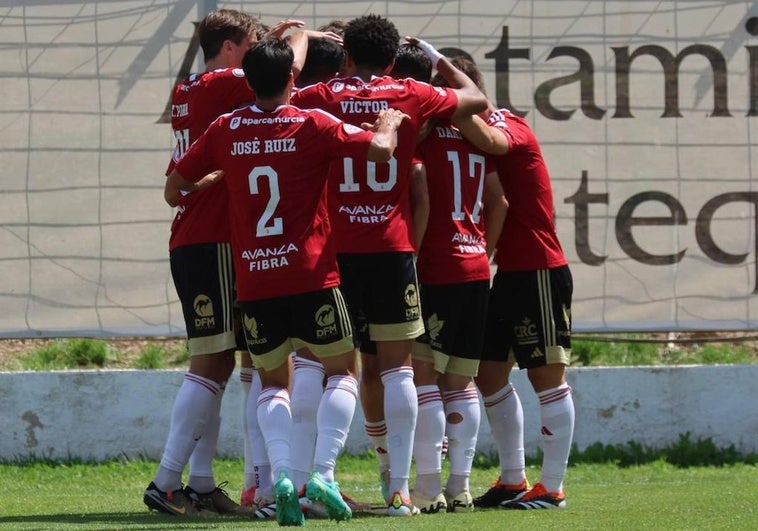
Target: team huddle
{"x":340,"y":196}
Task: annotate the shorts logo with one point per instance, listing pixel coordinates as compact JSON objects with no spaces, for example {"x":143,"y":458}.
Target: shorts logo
{"x":526,"y":333}
{"x":411,"y":299}
{"x":411,"y":295}
{"x":203,"y":307}
{"x":434,"y":326}
{"x":325,"y":318}
{"x":251,"y":325}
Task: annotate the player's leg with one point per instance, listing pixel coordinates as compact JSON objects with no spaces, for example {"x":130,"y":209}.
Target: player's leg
{"x":323,"y":326}
{"x":501,"y":401}
{"x":458,"y":353}
{"x":202,"y":275}
{"x":258,"y":480}
{"x":546,"y":364}
{"x":394,"y":317}
{"x":268,"y":339}
{"x":307,"y":389}
{"x":355,"y":273}
{"x":430,"y":424}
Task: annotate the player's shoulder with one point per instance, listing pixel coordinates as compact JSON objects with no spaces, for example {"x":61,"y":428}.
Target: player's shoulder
{"x":505,"y":118}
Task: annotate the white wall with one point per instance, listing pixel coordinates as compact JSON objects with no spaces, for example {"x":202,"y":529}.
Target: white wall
{"x":100,"y":414}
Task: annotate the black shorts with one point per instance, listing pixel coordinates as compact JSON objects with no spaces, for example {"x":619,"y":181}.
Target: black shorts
{"x":275,"y":327}
{"x":454,"y":315}
{"x":381,"y":291}
{"x":529,"y":317}
{"x":204,"y":279}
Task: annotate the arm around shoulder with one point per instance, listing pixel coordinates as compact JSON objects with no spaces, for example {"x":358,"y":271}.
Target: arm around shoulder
{"x":481,"y":135}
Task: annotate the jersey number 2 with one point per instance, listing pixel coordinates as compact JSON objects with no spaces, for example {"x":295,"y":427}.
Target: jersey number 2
{"x":267,"y":225}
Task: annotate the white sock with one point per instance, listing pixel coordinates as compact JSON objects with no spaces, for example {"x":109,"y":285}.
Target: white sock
{"x":335,"y":414}
{"x":259,"y":456}
{"x":192,"y":408}
{"x":201,"y":460}
{"x":246,"y":379}
{"x":307,"y":390}
{"x":557,"y":416}
{"x":400,"y":413}
{"x":506,"y":418}
{"x":275,"y":420}
{"x":377,"y":435}
{"x":462,"y":436}
{"x":427,"y":442}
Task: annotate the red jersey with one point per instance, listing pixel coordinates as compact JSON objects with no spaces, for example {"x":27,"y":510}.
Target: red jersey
{"x":369,"y":203}
{"x":528,"y":240}
{"x":454,"y":249}
{"x":198,"y":100}
{"x":275,"y":171}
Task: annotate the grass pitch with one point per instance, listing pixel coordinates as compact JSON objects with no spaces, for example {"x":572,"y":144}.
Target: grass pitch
{"x":658,"y":495}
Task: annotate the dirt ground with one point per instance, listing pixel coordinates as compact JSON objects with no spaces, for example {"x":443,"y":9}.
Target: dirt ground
{"x":130,"y":348}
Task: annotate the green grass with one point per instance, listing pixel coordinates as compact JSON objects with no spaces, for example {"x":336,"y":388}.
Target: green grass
{"x":68,"y":354}
{"x":588,"y":353}
{"x":94,"y":353}
{"x":656,"y":495}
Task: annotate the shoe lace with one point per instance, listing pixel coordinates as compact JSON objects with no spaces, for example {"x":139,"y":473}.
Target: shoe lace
{"x":221,"y":487}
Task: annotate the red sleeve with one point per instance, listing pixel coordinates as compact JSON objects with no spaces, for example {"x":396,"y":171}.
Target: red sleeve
{"x":345,"y":139}
{"x":438,"y":102}
{"x":198,"y":160}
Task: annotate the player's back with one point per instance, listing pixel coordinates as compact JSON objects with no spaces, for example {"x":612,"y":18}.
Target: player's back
{"x":369,"y":203}
{"x":275,"y":170}
{"x":196,"y":102}
{"x":454,"y":247}
{"x":529,"y":239}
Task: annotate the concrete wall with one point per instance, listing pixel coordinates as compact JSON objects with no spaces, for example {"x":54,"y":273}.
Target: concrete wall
{"x":101,"y":414}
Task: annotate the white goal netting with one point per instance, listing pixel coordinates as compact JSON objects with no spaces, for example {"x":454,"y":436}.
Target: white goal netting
{"x":645,"y":111}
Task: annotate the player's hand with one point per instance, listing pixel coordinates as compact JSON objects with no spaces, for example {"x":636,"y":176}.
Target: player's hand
{"x":387,"y":118}
{"x":282,"y":26}
{"x":315,"y":34}
{"x":211,"y":178}
{"x":430,"y":51}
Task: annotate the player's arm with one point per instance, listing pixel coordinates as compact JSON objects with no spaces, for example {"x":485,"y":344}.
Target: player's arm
{"x":488,"y":139}
{"x":299,"y":44}
{"x":471,"y":100}
{"x":419,"y":202}
{"x":383,"y":145}
{"x":175,"y":184}
{"x":495,"y":210}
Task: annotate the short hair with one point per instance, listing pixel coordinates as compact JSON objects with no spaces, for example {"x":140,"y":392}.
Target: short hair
{"x":324,"y":60}
{"x":262,"y":30}
{"x":337,"y":26}
{"x":267,"y":65}
{"x":467,"y":67}
{"x":411,"y":61}
{"x":224,"y":25}
{"x":372,"y":41}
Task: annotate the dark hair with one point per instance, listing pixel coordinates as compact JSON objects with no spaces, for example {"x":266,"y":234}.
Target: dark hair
{"x":262,"y":30}
{"x":267,"y":65}
{"x":467,"y":67}
{"x":224,"y":25}
{"x":411,"y":61}
{"x":337,"y":26}
{"x":371,"y":41}
{"x":324,"y":60}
